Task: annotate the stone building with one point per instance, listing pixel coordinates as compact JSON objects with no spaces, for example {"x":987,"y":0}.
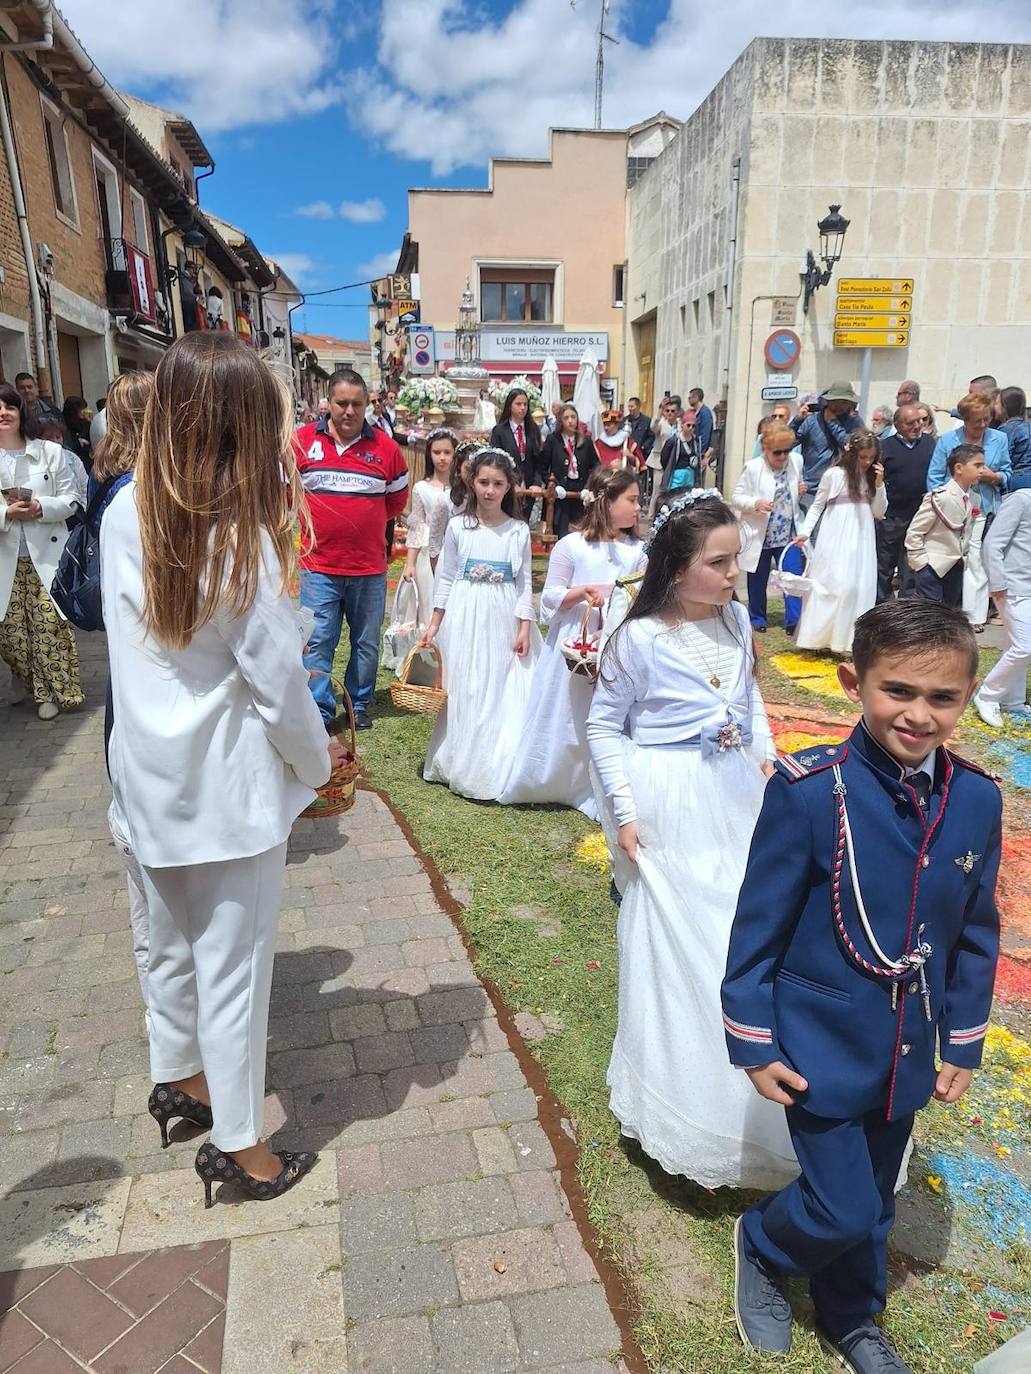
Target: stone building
{"x":924,"y":145}
{"x":324,"y":354}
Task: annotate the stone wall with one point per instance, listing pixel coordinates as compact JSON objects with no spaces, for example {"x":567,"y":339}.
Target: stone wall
{"x":926,"y":146}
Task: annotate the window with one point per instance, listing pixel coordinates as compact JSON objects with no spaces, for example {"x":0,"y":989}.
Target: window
{"x":636,"y":168}
{"x":683,"y":321}
{"x":617,"y":284}
{"x":110,"y":211}
{"x":513,"y":301}
{"x":712,"y":308}
{"x":139,"y":222}
{"x":60,"y":164}
{"x":697,"y":316}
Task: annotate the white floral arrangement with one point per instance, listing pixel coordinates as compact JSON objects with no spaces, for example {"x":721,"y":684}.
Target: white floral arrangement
{"x":423,"y":393}
{"x":499,"y":389}
{"x":485,"y":572}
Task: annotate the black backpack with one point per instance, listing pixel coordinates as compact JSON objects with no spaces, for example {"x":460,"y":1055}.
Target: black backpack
{"x":76,"y":588}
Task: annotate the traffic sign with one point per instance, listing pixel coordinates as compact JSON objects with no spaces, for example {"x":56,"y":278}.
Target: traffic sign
{"x":782,"y":350}
{"x":875,"y":286}
{"x":858,"y":305}
{"x":844,"y":320}
{"x":862,"y":338}
{"x":779,"y":393}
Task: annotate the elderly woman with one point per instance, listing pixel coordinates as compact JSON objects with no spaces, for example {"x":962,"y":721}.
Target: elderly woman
{"x":975,"y":412}
{"x":766,"y":496}
{"x":38,"y":491}
{"x":927,"y":422}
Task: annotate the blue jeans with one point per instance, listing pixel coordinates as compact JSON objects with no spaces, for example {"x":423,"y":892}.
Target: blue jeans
{"x":757,"y":584}
{"x":362,"y":602}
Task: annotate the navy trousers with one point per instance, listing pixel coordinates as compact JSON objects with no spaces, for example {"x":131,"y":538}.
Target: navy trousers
{"x":758,"y":582}
{"x":832,"y":1223}
{"x":948,"y":589}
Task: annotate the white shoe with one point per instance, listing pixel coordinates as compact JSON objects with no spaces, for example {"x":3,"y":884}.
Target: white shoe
{"x":48,"y":710}
{"x":17,"y":692}
{"x":989,"y":711}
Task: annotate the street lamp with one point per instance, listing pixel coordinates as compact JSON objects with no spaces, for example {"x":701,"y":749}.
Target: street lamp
{"x":832,"y":235}
{"x":195,"y":241}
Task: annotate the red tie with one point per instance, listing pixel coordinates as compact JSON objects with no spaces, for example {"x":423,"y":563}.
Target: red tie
{"x":520,"y":441}
{"x":571,"y":468}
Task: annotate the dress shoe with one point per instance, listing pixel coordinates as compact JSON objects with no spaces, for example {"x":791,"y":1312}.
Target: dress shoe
{"x":362,"y":720}
{"x":761,"y":1307}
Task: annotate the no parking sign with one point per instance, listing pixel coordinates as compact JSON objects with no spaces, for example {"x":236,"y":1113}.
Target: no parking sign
{"x":422,"y":350}
{"x":782,"y":350}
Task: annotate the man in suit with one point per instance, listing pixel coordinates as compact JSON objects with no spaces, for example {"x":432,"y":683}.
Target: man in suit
{"x":640,"y":426}
{"x":906,"y":455}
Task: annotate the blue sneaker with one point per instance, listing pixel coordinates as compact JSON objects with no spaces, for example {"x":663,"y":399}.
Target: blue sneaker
{"x":866,"y":1350}
{"x":761,"y":1308}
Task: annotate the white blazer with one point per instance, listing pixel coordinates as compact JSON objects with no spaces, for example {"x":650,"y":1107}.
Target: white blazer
{"x":49,"y":478}
{"x":758,"y":483}
{"x":216,"y":747}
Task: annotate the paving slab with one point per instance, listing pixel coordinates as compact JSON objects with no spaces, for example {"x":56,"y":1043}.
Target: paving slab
{"x":434,"y":1236}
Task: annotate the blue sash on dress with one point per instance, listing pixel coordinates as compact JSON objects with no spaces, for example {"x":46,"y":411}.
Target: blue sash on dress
{"x":488,"y":570}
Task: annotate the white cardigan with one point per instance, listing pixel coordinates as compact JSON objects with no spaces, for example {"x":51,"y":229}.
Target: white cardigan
{"x":52,"y":484}
{"x":758,"y":483}
{"x":216,"y":747}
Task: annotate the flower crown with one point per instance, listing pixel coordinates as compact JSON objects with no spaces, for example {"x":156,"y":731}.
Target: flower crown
{"x":442,"y":433}
{"x":503,"y":459}
{"x":682,"y":503}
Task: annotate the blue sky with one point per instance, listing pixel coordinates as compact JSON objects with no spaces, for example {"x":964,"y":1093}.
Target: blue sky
{"x":324,"y":106}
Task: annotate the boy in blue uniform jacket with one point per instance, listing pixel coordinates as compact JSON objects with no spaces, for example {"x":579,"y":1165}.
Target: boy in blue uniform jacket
{"x":865,"y":939}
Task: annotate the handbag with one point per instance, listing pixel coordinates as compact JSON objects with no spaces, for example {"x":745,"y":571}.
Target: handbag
{"x":402,"y":631}
{"x":76,"y":586}
{"x":582,"y":654}
{"x":792,"y":583}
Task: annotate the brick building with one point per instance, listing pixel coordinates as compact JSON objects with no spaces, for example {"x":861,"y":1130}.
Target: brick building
{"x":107,"y":256}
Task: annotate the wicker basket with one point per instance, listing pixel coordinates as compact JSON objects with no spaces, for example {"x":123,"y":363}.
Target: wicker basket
{"x":337,"y":795}
{"x":582,"y":662}
{"x":425,"y":701}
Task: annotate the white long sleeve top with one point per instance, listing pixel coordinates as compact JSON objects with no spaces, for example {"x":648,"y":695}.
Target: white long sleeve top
{"x":575,"y":561}
{"x":834,"y":488}
{"x":428,"y":518}
{"x":508,"y":542}
{"x":216,"y":747}
{"x":650,"y":689}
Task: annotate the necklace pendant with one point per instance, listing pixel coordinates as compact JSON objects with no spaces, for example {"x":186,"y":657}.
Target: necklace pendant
{"x":714,"y":681}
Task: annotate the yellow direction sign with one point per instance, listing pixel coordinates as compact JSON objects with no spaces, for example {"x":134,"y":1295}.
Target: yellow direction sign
{"x":870,"y":338}
{"x":875,"y":305}
{"x":846,"y":321}
{"x":875,"y":286}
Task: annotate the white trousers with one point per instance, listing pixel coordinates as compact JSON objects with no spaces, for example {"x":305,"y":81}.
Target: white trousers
{"x":975,"y":578}
{"x":212,"y":941}
{"x":139,"y":917}
{"x":1007,"y":682}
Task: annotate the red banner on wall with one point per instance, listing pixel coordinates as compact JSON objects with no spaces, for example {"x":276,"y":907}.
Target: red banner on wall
{"x":140,"y":282}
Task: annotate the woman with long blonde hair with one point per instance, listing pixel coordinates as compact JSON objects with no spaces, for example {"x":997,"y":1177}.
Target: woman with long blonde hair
{"x":217,"y":743}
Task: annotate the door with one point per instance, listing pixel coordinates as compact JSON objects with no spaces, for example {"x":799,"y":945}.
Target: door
{"x":644,"y":344}
{"x":71,"y":370}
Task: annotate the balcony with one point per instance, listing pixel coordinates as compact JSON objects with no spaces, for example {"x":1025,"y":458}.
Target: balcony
{"x":130,"y":282}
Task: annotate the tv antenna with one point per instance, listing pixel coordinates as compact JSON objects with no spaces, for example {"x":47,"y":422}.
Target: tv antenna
{"x":599,"y":66}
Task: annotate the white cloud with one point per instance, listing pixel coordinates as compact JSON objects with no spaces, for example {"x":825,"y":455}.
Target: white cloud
{"x":362,"y":211}
{"x":379,"y":266}
{"x":297,"y":266}
{"x":455,"y":86}
{"x":224,"y":63}
{"x":318,"y":209}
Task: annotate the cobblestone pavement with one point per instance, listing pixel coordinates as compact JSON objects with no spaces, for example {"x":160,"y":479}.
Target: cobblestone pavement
{"x":435,"y":1233}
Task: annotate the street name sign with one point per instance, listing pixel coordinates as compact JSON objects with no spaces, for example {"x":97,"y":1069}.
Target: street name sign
{"x":870,"y":338}
{"x":779,"y":393}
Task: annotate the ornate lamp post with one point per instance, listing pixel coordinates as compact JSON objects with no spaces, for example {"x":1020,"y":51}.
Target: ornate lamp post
{"x":832,"y":235}
{"x":467,"y":332}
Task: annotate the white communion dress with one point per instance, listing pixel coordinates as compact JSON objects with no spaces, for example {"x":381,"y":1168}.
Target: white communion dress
{"x":483,"y":584}
{"x":843,"y":563}
{"x":427,"y":522}
{"x":551,"y":762}
{"x":678,"y":733}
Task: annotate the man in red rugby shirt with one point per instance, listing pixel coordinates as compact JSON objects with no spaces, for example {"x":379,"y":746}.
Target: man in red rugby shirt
{"x":356,"y":479}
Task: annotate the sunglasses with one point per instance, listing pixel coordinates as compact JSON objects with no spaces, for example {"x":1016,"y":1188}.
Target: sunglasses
{"x":778,"y":452}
